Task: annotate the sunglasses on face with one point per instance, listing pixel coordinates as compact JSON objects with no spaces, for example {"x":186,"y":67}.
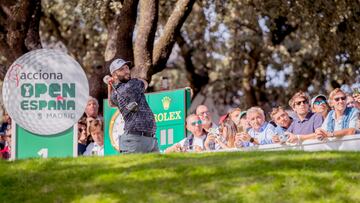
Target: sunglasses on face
{"x":320,"y":102}
{"x":198,"y":122}
{"x":301,"y":102}
{"x":340,"y":98}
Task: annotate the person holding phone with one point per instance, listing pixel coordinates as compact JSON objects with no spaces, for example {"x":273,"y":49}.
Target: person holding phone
{"x":196,"y":141}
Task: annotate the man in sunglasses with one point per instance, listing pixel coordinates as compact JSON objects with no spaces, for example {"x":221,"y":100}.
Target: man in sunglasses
{"x":341,"y":120}
{"x":319,"y":105}
{"x":195,"y":141}
{"x":207,"y":123}
{"x":304,"y":122}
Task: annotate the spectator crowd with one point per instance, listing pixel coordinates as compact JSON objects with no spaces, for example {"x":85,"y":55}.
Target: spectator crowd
{"x":318,"y":118}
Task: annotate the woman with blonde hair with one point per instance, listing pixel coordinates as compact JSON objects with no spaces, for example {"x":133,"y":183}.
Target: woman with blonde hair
{"x":226,"y":137}
{"x":228,"y":131}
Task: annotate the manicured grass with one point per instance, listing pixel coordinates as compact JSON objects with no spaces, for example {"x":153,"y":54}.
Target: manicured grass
{"x":211,"y":177}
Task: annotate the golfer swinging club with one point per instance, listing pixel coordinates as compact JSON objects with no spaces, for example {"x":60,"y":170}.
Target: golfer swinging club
{"x":127,"y":94}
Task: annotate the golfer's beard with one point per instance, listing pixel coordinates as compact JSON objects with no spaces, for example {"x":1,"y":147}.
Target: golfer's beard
{"x":124,"y":80}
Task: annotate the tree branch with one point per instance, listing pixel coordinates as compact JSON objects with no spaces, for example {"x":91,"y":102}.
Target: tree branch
{"x":145,"y":37}
{"x":120,"y":31}
{"x":4,"y":47}
{"x":20,"y":31}
{"x":197,"y":81}
{"x":7,"y":3}
{"x":32,"y":40}
{"x":163,"y":47}
{"x":56,"y":28}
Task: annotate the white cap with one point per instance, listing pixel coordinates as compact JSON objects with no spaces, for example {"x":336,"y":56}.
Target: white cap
{"x":117,"y":64}
{"x":317,"y":96}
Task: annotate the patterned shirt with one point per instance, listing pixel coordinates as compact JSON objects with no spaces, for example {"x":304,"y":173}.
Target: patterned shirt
{"x":141,"y":120}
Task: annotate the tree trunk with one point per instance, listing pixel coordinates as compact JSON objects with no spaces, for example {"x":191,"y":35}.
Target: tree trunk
{"x":119,"y":45}
{"x":120,"y":33}
{"x":145,"y":37}
{"x":249,"y":91}
{"x":163,"y":47}
{"x":20,"y":28}
{"x":197,"y":81}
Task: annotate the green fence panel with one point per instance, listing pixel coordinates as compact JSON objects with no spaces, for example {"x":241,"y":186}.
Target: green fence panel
{"x":30,"y":145}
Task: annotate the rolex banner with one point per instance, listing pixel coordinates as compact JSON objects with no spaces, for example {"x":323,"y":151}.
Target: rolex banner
{"x":170,"y":109}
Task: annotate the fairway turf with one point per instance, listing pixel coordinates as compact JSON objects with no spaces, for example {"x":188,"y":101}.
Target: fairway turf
{"x":288,"y":176}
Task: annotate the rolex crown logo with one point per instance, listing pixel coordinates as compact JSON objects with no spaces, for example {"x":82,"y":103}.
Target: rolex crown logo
{"x":166,"y":102}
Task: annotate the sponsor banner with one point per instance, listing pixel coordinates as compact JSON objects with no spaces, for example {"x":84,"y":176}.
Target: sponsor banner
{"x":45,"y":91}
{"x":30,"y":145}
{"x":170,"y":109}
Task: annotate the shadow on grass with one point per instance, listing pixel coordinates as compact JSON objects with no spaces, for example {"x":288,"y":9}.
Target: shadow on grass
{"x":228,"y":177}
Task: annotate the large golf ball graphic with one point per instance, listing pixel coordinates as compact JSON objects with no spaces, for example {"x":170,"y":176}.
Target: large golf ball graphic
{"x":45,"y":91}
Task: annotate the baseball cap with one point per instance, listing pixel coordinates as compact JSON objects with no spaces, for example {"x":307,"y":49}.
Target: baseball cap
{"x":317,"y":96}
{"x":222,"y":118}
{"x":242,"y":114}
{"x":117,"y":64}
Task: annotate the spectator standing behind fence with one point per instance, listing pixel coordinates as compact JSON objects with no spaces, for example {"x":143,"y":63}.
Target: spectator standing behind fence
{"x":82,"y":135}
{"x":91,"y":112}
{"x":207,"y":123}
{"x":227,"y":132}
{"x":351,"y":102}
{"x":244,"y":123}
{"x":282,"y":121}
{"x":320,"y":105}
{"x":193,"y":142}
{"x":304,"y":122}
{"x":92,"y":108}
{"x":127,"y":94}
{"x":261,"y":132}
{"x":356,"y":96}
{"x":6,"y":121}
{"x":234,"y":115}
{"x":239,"y":118}
{"x":5,"y":152}
{"x":97,"y":134}
{"x":341,"y":120}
